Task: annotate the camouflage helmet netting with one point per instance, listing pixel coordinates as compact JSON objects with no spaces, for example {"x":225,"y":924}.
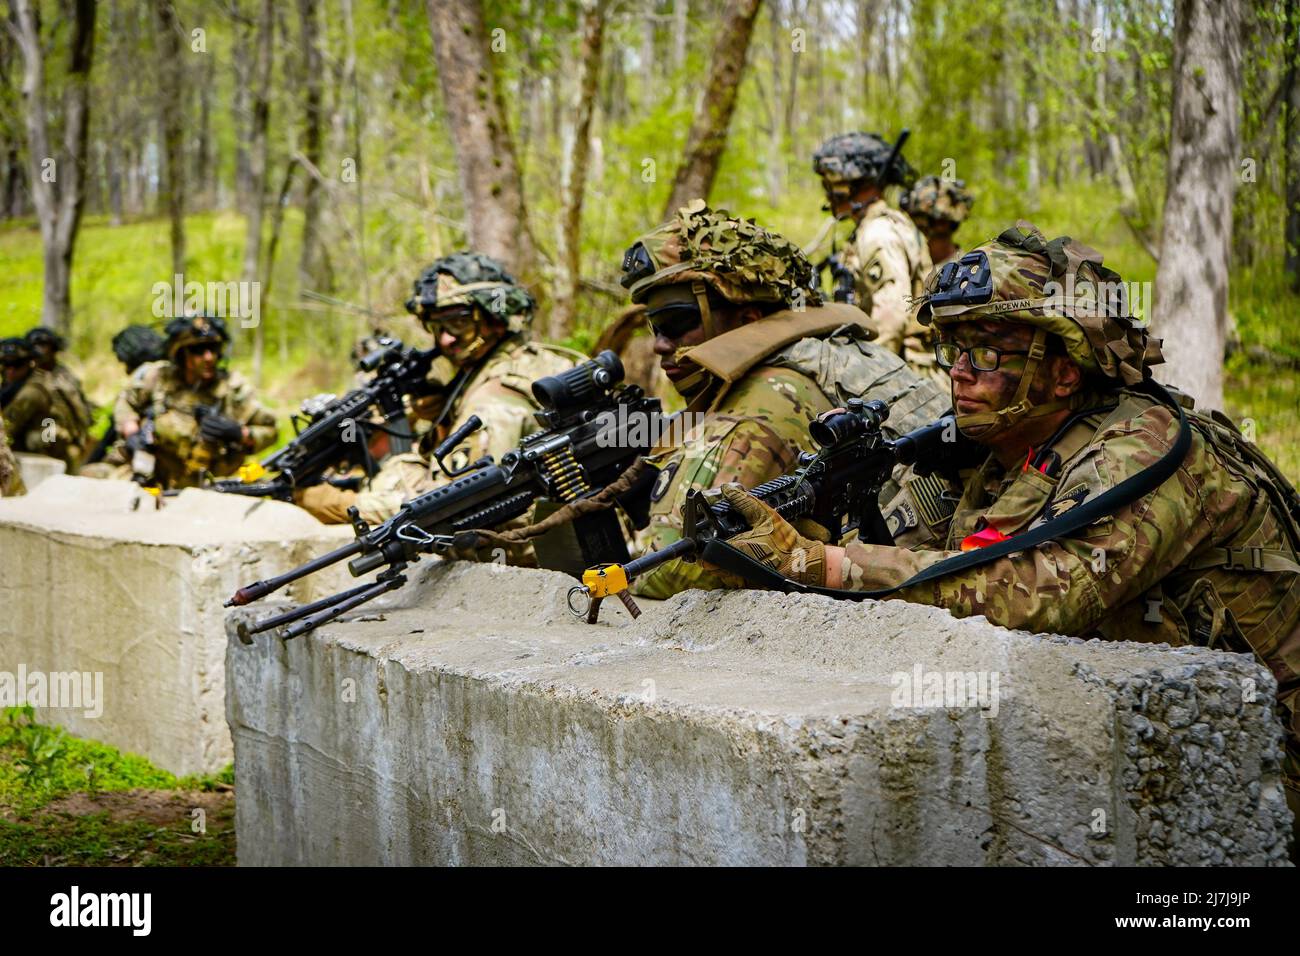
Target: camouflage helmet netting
{"x":470,"y":278}
{"x":1089,"y":310}
{"x":937,"y":198}
{"x":852,"y":156}
{"x":737,"y":258}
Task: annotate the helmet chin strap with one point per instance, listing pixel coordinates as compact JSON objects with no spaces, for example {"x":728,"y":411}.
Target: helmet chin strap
{"x":984,"y":425}
{"x":693,"y":383}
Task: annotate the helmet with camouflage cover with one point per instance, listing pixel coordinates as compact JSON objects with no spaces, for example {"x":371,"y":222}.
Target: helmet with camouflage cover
{"x":471,"y":278}
{"x":738,"y":259}
{"x":1059,"y":287}
{"x":46,"y":336}
{"x":14,"y":351}
{"x":186,"y":331}
{"x":850,"y":157}
{"x":137,"y":344}
{"x":937,"y":198}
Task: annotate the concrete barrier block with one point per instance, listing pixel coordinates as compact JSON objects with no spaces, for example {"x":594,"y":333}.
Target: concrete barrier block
{"x":96,"y":579}
{"x":484,"y":725}
{"x":36,"y":468}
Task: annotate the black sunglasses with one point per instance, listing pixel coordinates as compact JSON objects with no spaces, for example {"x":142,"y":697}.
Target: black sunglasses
{"x":983,"y":358}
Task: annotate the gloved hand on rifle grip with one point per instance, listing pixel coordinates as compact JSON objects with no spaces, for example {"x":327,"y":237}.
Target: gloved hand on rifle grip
{"x":221,"y":430}
{"x":775,"y":542}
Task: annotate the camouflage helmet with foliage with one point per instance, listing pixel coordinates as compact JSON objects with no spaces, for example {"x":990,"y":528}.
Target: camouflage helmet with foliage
{"x":937,"y":198}
{"x":187,"y":331}
{"x":850,"y":157}
{"x":471,"y":278}
{"x":1059,"y":287}
{"x":736,"y":258}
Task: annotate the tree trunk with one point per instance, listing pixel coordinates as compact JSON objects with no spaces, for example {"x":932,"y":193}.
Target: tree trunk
{"x":681,"y":10}
{"x":1191,"y":291}
{"x":203,"y":177}
{"x":171,"y":94}
{"x":57,"y":184}
{"x":708,"y":135}
{"x":1291,"y":145}
{"x":570,"y":234}
{"x":496,"y":218}
{"x":309,"y":259}
{"x":260,"y":94}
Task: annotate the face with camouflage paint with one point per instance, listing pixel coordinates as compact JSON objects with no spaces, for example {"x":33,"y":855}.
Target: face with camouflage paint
{"x":975,"y":391}
{"x":464,"y":333}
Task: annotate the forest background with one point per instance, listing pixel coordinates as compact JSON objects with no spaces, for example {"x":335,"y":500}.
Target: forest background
{"x":330,"y":149}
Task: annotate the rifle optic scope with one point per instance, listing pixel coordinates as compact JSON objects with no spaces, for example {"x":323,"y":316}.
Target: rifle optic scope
{"x":581,"y":385}
{"x":856,"y":420}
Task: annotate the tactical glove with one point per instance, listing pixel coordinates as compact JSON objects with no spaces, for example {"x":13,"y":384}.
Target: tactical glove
{"x":221,"y":430}
{"x":773,"y":541}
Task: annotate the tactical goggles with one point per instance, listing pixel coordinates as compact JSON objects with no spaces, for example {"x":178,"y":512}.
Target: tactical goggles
{"x":673,"y":311}
{"x":456,"y":321}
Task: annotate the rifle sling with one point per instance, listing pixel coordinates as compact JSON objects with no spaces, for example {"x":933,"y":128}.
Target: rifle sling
{"x":724,"y":556}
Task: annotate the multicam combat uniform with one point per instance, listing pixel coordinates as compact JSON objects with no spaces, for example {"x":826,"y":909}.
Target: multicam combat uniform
{"x":758,"y":425}
{"x":11,"y":477}
{"x":891,"y":260}
{"x":499,"y":393}
{"x":46,"y":418}
{"x":1208,"y":557}
{"x":158,"y":389}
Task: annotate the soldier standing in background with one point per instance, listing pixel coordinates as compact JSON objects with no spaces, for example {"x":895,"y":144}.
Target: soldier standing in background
{"x":886,"y":258}
{"x":939,"y":207}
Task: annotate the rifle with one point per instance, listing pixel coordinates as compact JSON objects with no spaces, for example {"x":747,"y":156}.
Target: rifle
{"x":593,"y":428}
{"x":334,"y":432}
{"x":843,"y":281}
{"x":838,"y":487}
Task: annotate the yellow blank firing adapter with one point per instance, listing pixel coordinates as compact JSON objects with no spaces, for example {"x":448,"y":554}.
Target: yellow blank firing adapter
{"x":605,"y":580}
{"x":598,"y":583}
{"x":251,"y":471}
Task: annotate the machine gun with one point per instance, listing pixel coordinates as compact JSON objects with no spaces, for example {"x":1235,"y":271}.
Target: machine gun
{"x":333,"y":433}
{"x":838,"y":487}
{"x":593,"y":429}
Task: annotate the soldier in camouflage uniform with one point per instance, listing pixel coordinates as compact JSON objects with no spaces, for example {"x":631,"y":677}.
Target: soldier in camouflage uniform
{"x":479,"y":318}
{"x":46,"y":344}
{"x":205,"y":419}
{"x":1051,"y":377}
{"x":11,"y":477}
{"x":939,"y":207}
{"x":886,"y":255}
{"x":745,"y":339}
{"x":40,"y":412}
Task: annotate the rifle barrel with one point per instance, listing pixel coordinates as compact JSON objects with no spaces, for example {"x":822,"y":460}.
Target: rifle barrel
{"x":260,"y":589}
{"x":342,"y":604}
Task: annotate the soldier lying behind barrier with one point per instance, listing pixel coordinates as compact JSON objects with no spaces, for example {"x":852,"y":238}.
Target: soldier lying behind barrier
{"x":1052,"y":376}
{"x":479,"y":318}
{"x":188,"y":417}
{"x":745,"y":339}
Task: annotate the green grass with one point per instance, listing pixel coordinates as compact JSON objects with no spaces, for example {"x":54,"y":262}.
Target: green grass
{"x":51,"y":785}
